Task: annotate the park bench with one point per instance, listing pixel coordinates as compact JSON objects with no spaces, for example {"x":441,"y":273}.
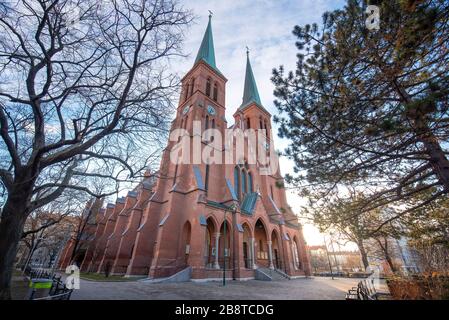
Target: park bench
{"x":365,"y":290}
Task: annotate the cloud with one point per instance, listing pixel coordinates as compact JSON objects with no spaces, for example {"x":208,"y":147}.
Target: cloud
{"x":265,"y":26}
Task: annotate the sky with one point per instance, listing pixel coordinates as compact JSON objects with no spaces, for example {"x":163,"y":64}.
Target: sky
{"x":265,"y":26}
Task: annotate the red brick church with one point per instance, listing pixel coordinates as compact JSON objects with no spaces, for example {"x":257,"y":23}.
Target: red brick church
{"x":202,"y":216}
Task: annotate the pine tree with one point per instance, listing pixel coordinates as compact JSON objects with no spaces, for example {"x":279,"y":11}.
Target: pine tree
{"x":369,"y":108}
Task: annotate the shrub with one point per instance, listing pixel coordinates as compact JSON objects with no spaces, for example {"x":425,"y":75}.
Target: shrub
{"x":426,"y":286}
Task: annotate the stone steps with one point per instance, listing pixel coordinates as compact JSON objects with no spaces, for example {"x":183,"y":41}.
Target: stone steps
{"x":273,"y":274}
{"x":181,"y":276}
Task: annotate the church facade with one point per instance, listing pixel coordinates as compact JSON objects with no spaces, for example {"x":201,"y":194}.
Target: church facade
{"x":205,"y":216}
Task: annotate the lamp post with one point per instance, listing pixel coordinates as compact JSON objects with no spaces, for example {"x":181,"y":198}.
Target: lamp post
{"x":328,"y":259}
{"x":224,"y":249}
{"x":337,"y":265}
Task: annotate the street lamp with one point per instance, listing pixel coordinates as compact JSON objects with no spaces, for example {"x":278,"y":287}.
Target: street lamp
{"x":328,"y":259}
{"x":337,"y":265}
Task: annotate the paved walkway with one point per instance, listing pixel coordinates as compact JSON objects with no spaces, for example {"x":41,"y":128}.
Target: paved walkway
{"x":299,"y":289}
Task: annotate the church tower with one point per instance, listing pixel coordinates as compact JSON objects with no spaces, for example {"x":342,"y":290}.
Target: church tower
{"x":198,"y":217}
{"x":203,"y":88}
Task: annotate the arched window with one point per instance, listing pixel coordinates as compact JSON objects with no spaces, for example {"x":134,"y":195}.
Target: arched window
{"x":206,"y":125}
{"x":260,"y":123}
{"x":176,"y":173}
{"x":265,"y":124}
{"x":250,"y":182}
{"x":271,"y":191}
{"x":208,"y":87}
{"x":248,"y":123}
{"x":295,"y":255}
{"x":192,"y":86}
{"x":237,"y":181}
{"x":186,"y":91}
{"x":213,"y":127}
{"x":244,"y":183}
{"x":206,"y":184}
{"x":207,"y":246}
{"x":215,"y":91}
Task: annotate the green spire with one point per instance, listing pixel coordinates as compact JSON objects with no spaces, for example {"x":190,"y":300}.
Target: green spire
{"x":250,"y":93}
{"x":206,"y":51}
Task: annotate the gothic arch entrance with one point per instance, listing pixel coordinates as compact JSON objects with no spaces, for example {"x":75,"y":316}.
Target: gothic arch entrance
{"x":209,"y":244}
{"x":261,"y":245}
{"x":225,"y":245}
{"x":185,"y":243}
{"x":247,"y":254}
{"x":295,"y":252}
{"x":276,"y":250}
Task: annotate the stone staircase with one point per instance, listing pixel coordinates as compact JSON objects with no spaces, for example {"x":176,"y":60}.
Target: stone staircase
{"x":181,"y":276}
{"x":275,"y":275}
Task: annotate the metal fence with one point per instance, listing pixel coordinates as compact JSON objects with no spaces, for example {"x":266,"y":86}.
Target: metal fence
{"x":58,"y":290}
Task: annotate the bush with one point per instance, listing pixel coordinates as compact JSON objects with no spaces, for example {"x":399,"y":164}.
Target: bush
{"x":433,"y":286}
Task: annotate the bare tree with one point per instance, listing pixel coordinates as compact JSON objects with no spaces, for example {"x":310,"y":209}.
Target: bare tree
{"x":47,"y":228}
{"x":84,"y":95}
{"x":52,"y":222}
{"x":338,"y":215}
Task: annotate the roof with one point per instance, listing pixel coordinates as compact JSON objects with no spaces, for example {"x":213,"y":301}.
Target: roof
{"x":250,"y":92}
{"x":218,"y":205}
{"x":249,"y":203}
{"x":206,"y":51}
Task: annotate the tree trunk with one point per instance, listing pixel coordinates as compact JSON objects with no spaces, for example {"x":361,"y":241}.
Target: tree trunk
{"x":28,"y":256}
{"x":14,"y":215}
{"x":363,"y":254}
{"x":79,"y":233}
{"x":386,"y":252}
{"x":390,"y":262}
{"x":438,"y":160}
{"x":11,"y":227}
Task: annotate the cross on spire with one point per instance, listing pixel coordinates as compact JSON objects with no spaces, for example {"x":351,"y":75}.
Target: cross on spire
{"x":247,"y":51}
{"x":210,"y":14}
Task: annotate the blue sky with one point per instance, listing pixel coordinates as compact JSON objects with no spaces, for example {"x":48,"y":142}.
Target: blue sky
{"x":265,"y":26}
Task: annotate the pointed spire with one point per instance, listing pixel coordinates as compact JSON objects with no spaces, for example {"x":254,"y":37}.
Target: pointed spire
{"x":250,"y":92}
{"x":207,"y":52}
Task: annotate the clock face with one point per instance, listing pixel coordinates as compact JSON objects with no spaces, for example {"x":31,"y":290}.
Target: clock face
{"x":186,"y":109}
{"x":211,"y":110}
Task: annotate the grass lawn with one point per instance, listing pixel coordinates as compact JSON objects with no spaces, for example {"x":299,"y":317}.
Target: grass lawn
{"x":102,"y":277}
